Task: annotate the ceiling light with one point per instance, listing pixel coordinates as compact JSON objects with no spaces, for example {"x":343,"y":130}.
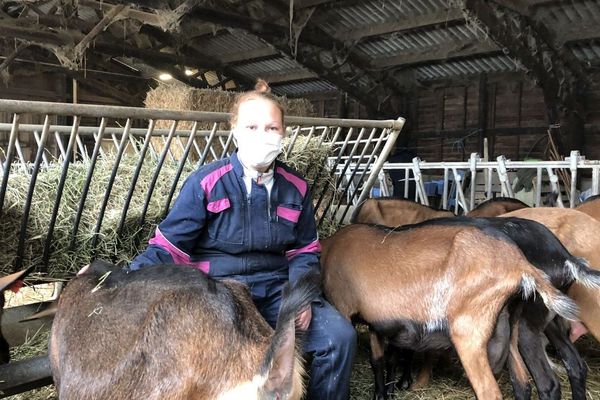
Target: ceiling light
{"x":165,"y":76}
{"x":189,"y":72}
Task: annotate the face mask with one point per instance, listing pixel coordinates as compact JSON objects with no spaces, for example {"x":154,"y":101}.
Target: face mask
{"x":257,"y":150}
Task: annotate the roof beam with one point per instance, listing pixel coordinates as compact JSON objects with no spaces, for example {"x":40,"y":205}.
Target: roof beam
{"x":191,"y":50}
{"x":80,"y":48}
{"x":290,"y":76}
{"x":56,"y":39}
{"x":445,"y":52}
{"x":318,"y":52}
{"x":248,"y":56}
{"x":299,"y":4}
{"x":418,"y":21}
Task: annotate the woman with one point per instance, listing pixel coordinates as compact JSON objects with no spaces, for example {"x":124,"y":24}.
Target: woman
{"x":250,"y":218}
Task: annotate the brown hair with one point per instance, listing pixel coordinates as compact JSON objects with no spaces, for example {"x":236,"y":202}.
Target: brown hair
{"x":261,"y":90}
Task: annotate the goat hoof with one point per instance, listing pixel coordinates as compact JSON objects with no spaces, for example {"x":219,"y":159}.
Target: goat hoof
{"x":379,"y":396}
{"x":405,"y":384}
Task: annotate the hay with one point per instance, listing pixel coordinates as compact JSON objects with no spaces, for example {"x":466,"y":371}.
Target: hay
{"x":309,"y":158}
{"x":449,"y":382}
{"x":181,"y":97}
{"x":64,"y":261}
{"x":35,"y":345}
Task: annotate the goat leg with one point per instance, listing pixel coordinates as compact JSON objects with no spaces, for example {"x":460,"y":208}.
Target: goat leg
{"x":534,"y":355}
{"x":574,"y":364}
{"x":471,"y":347}
{"x":377,"y":359}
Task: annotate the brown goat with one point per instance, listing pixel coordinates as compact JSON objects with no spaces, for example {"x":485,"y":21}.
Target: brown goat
{"x":580,"y":234}
{"x":496,"y":206}
{"x":395,"y":212}
{"x":171,"y":332}
{"x":5,"y":283}
{"x":591,"y":207}
{"x":450,"y":280}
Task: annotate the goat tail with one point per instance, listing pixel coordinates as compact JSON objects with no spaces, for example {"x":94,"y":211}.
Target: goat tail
{"x":581,"y":272}
{"x":534,"y":280}
{"x":298,"y":296}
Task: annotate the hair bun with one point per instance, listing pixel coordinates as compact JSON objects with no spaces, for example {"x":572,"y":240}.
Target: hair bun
{"x":262,"y":86}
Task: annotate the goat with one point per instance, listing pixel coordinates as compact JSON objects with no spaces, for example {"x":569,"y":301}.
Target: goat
{"x":580,"y":234}
{"x":496,"y":206}
{"x":171,"y":332}
{"x":591,"y":206}
{"x":418,"y":285}
{"x":395,"y":212}
{"x":8,"y":282}
{"x":547,"y":250}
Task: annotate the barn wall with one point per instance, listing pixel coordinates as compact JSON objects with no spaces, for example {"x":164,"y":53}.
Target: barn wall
{"x":443,"y":123}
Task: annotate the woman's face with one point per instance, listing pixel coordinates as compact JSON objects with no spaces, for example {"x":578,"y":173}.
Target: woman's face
{"x":259,"y":116}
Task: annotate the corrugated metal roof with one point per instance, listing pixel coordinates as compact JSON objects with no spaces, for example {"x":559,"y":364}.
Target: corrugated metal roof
{"x":452,"y":69}
{"x":234,"y":43}
{"x":270,"y":66}
{"x":376,"y":12}
{"x":228,"y":43}
{"x":296,"y":89}
{"x":587,"y":52}
{"x":399,"y":43}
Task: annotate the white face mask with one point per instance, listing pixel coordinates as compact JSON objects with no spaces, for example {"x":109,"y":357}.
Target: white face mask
{"x":257,"y":150}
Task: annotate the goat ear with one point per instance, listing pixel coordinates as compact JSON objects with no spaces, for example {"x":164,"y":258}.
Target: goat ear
{"x":8,"y":280}
{"x":280,"y":374}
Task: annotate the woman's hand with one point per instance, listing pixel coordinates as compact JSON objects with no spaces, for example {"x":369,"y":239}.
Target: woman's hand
{"x":303,"y":319}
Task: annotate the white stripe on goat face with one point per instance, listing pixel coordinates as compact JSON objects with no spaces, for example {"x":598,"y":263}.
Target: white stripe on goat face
{"x":245,"y":390}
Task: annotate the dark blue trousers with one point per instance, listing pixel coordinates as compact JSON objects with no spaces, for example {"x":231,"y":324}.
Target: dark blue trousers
{"x":331,"y":341}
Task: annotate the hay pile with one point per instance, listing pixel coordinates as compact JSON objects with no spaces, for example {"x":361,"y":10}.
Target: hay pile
{"x":182,"y":97}
{"x":448,"y":382}
{"x":177,"y":96}
{"x":308,"y":158}
{"x":35,"y":345}
{"x":64,"y":261}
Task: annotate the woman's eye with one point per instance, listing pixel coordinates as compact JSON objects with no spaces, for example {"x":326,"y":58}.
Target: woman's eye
{"x":274,"y":129}
{"x":251,"y":127}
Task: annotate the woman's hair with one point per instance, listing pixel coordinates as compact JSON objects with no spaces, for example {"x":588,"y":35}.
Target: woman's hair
{"x":261,"y":91}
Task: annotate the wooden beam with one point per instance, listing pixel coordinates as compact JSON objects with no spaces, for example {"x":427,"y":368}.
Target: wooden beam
{"x":52,"y":38}
{"x":320,"y":54}
{"x":418,"y":21}
{"x":161,"y":19}
{"x":81,"y":47}
{"x":523,"y":7}
{"x":445,"y":52}
{"x":192,"y":50}
{"x":11,"y":57}
{"x":290,"y":76}
{"x":299,"y":4}
{"x":111,"y":91}
{"x":248,"y":56}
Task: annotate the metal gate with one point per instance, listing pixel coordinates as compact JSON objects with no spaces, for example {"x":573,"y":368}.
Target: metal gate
{"x":495,"y":173}
{"x":147,"y":151}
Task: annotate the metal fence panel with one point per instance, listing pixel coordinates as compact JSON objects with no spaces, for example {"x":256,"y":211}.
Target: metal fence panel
{"x":138,"y":157}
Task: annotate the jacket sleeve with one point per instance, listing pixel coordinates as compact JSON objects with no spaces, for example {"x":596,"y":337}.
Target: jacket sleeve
{"x":305,"y":252}
{"x":176,"y":234}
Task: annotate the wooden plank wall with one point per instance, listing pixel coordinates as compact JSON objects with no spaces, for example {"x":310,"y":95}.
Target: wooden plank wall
{"x":444,"y":122}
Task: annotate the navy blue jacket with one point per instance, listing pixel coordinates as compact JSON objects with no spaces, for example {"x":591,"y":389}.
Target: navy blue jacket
{"x":216,"y":227}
